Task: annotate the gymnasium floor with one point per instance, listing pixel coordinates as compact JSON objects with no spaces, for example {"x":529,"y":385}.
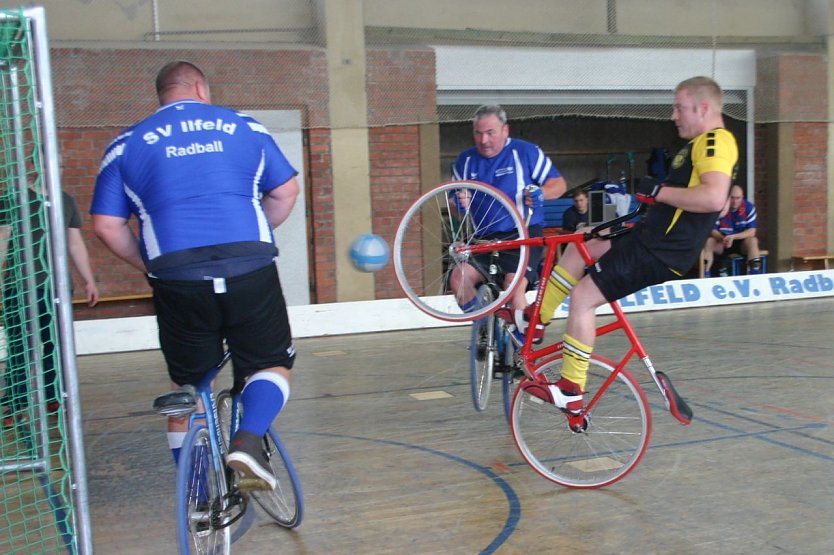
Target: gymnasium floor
{"x":386,"y":473}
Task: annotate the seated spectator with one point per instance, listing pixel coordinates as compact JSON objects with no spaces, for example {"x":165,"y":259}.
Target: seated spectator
{"x":734,"y":233}
{"x":577,"y":215}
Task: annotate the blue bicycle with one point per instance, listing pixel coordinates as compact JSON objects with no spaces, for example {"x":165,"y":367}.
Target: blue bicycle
{"x":212,"y":500}
{"x":492,"y":349}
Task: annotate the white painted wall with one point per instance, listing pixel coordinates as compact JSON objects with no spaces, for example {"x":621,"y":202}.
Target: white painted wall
{"x":588,"y":69}
{"x":140,"y":333}
{"x":291,"y":236}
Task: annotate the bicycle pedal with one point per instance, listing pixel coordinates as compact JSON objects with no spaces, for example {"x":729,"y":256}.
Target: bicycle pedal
{"x":674,"y":402}
{"x":250,"y":484}
{"x":576,"y":424}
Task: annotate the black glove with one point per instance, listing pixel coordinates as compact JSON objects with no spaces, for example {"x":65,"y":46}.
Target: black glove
{"x":647,"y":190}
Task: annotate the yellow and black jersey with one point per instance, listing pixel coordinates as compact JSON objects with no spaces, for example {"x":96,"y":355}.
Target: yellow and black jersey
{"x":671,"y":234}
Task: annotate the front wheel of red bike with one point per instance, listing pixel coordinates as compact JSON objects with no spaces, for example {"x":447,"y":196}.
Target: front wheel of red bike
{"x":604,"y":448}
{"x":431,"y":260}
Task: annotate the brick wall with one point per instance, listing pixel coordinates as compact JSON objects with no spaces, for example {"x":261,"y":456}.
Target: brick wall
{"x":810,"y":188}
{"x":803,"y":99}
{"x":792,"y":91}
{"x":323,"y":240}
{"x":395,"y":184}
{"x":401,"y":86}
{"x":81,"y":150}
{"x":401,"y":92}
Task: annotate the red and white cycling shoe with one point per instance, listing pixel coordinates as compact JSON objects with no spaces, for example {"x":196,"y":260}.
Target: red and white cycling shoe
{"x":564,"y":394}
{"x":521,"y":320}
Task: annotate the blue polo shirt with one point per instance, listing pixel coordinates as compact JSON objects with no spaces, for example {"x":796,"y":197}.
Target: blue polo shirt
{"x":738,"y":220}
{"x":193,"y":174}
{"x":517,"y":165}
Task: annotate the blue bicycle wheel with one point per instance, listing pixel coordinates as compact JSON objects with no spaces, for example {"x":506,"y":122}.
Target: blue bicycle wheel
{"x":481,"y":360}
{"x":201,"y":490}
{"x":285,"y":504}
{"x":505,"y":358}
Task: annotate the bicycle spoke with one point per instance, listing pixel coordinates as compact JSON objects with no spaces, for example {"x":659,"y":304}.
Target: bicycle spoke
{"x":615,"y":435}
{"x":429,"y":247}
{"x":285,"y":503}
{"x":482,"y":353}
{"x":202,"y":510}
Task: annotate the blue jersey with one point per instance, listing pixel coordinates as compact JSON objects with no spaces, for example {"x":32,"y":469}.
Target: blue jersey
{"x":739,"y":220}
{"x":517,"y":165}
{"x":193,"y":174}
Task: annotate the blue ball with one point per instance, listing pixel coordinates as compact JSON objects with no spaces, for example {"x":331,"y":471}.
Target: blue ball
{"x":369,"y":253}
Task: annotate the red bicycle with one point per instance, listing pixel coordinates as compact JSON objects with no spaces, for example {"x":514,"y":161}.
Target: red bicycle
{"x":439,"y":236}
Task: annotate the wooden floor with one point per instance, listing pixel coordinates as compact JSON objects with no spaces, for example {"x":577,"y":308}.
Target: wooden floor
{"x":386,"y":473}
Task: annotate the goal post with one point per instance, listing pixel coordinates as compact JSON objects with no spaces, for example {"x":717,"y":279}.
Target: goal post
{"x":43,"y":487}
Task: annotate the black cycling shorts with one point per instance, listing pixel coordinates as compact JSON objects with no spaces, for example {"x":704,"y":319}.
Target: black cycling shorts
{"x":628,"y":267}
{"x":195,"y":319}
{"x":508,"y":259}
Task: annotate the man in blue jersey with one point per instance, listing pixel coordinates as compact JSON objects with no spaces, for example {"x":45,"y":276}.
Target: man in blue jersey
{"x":735,"y":233}
{"x":207,"y":185}
{"x":510,"y":165}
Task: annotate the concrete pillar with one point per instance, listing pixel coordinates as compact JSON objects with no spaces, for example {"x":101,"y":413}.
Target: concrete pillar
{"x":780,"y":193}
{"x":829,"y":239}
{"x":430,"y":178}
{"x":342,"y":28}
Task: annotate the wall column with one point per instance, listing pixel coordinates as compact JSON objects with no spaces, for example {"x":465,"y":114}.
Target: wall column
{"x":798,"y":154}
{"x":780,"y":193}
{"x":342,"y":27}
{"x":829,"y":44}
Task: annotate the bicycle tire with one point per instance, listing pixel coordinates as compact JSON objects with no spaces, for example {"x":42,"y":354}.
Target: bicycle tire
{"x":285,"y":503}
{"x":424,"y":255}
{"x":224,"y":416}
{"x":200,"y":504}
{"x":616,"y":437}
{"x":507,"y":361}
{"x":482,"y":353}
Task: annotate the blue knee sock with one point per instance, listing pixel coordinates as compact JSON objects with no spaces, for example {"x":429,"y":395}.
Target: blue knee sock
{"x":263,"y":397}
{"x":470,"y":305}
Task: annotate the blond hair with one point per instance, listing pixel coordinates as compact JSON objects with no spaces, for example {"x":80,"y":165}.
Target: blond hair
{"x":703,"y":89}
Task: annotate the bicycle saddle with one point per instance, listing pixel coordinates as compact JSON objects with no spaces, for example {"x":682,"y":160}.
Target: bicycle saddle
{"x":178,"y":403}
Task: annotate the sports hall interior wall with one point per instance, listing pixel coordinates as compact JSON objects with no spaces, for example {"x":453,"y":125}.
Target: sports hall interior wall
{"x":580,"y":146}
{"x":241,"y":79}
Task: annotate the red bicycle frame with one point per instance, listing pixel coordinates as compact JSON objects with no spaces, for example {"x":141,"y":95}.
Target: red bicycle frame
{"x":534,"y":358}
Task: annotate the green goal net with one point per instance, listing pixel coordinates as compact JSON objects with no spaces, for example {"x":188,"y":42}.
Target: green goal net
{"x":39,"y":483}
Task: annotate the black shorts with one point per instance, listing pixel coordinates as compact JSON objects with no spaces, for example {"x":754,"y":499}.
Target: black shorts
{"x":194,"y":321}
{"x":735,"y":248}
{"x":628,"y":267}
{"x":508,"y":260}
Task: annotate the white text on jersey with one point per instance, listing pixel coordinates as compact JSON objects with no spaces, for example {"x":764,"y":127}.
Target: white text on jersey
{"x":190,"y":126}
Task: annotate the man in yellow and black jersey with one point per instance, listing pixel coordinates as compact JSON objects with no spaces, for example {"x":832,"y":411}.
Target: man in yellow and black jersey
{"x":673,"y":233}
{"x":661,"y":248}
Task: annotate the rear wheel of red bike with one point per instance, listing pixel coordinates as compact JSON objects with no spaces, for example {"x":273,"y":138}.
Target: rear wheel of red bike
{"x":430,"y":254}
{"x":606,"y":443}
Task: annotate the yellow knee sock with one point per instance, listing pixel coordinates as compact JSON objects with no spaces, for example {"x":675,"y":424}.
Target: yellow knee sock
{"x":558,"y":288}
{"x":576,"y":356}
